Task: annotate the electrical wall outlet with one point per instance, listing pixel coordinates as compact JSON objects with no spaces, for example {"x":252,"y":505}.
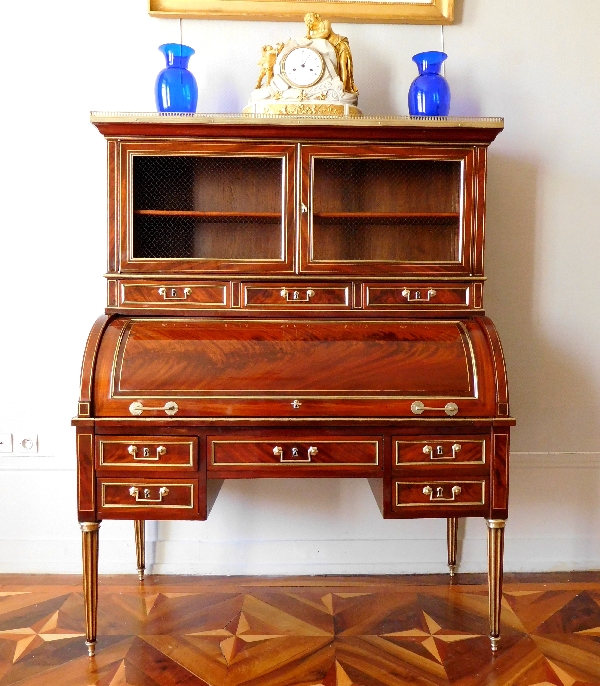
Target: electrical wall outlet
{"x":26,"y":443}
{"x":6,"y":443}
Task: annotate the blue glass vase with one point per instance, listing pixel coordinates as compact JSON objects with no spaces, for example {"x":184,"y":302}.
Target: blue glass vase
{"x":429,"y":93}
{"x":176,"y":89}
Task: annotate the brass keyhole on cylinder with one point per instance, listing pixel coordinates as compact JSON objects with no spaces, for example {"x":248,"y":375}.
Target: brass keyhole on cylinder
{"x":146,"y":452}
{"x":440,"y":450}
{"x":418,"y":295}
{"x":439,"y":492}
{"x":296,"y":295}
{"x":146,"y":492}
{"x":294,"y":452}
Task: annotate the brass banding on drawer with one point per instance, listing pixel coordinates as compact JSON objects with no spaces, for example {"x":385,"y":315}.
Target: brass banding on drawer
{"x":296,"y":295}
{"x":439,"y":492}
{"x":440,"y":450}
{"x":173,"y":294}
{"x":146,"y":451}
{"x":143,"y":494}
{"x":324,"y":453}
{"x":431,"y":295}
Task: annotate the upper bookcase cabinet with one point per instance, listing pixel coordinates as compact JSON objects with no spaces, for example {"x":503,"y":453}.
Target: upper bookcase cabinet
{"x":371,"y":198}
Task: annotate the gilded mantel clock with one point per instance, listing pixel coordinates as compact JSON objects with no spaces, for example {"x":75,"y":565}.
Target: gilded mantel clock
{"x":310,"y":75}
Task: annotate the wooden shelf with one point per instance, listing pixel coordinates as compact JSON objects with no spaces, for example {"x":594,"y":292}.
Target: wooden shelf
{"x":388,"y":216}
{"x":270,"y":217}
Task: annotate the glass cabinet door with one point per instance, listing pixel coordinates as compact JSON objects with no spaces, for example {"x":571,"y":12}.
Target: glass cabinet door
{"x":219,"y":209}
{"x":387,"y":211}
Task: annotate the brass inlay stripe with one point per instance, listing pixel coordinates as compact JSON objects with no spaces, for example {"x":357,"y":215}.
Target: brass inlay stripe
{"x":81,"y":447}
{"x":304,"y":462}
{"x":442,"y":503}
{"x":141,"y":463}
{"x":286,"y":395}
{"x":141,"y":484}
{"x":441,"y":462}
{"x":173,"y":301}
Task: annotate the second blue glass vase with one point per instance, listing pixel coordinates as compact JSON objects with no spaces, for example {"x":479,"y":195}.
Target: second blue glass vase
{"x":429,"y":93}
{"x":176,"y":89}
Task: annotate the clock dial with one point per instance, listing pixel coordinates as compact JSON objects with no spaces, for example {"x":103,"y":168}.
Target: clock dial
{"x":302,"y":67}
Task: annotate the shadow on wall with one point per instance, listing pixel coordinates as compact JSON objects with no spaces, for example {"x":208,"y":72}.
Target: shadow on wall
{"x":552,"y":396}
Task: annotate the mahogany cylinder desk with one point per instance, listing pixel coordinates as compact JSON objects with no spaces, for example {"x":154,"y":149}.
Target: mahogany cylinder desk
{"x":294,"y":297}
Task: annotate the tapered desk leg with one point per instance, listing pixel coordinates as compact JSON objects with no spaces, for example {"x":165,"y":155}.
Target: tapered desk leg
{"x":452,"y":532}
{"x":495,"y":571}
{"x":140,"y":546}
{"x":89,"y":542}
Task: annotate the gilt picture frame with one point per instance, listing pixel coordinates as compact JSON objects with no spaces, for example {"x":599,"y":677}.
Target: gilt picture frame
{"x":382,"y":12}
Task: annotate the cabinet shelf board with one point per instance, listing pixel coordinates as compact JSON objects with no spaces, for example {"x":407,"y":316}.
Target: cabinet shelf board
{"x":214,"y":216}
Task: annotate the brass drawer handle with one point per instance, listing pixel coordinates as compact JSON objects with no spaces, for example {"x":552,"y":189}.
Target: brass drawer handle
{"x":173,"y":293}
{"x":438,"y":494}
{"x":417,"y":297}
{"x":133,"y":450}
{"x":137,"y":407}
{"x":295,"y":295}
{"x":311,"y":452}
{"x":449,"y":408}
{"x":135,"y":492}
{"x":439,"y":452}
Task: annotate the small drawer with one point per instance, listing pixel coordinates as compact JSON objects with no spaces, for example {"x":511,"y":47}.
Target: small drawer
{"x":410,"y":295}
{"x":438,"y":493}
{"x":302,"y":296}
{"x":439,"y":451}
{"x":144,"y":452}
{"x":161,"y":295}
{"x":334,"y":451}
{"x":149,"y":495}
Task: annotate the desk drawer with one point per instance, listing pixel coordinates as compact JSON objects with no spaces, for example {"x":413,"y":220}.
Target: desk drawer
{"x":302,"y":296}
{"x":159,"y":498}
{"x":410,"y":295}
{"x":440,"y":450}
{"x":438,"y":493}
{"x":341,"y":451}
{"x":173,"y":294}
{"x":147,"y":452}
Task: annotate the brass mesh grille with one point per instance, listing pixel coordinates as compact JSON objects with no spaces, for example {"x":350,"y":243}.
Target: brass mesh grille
{"x":236,"y":206}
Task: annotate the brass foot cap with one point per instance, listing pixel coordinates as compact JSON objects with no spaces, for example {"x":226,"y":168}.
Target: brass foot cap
{"x":494,"y":640}
{"x":91,"y":646}
{"x":452,"y":569}
{"x":141,"y":574}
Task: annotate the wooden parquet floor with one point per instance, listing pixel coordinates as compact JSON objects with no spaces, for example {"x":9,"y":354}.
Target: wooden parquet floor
{"x":301,"y":631}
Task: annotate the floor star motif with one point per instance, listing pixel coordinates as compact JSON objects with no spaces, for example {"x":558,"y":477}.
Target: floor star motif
{"x":433,"y":632}
{"x":236,"y":635}
{"x":29,"y":638}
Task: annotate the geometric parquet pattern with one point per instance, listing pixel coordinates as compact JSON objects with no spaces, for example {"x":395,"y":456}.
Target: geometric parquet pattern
{"x":301,"y":631}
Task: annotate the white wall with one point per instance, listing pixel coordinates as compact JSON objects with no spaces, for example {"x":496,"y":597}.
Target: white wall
{"x":532,"y":62}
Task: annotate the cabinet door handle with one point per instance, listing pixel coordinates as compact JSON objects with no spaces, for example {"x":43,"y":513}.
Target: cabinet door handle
{"x":437,"y":494}
{"x":133,"y":450}
{"x":173,"y":293}
{"x":294,"y":296}
{"x":134,"y":491}
{"x":417,"y":295}
{"x":439,"y":452}
{"x":137,"y":407}
{"x":449,"y":408}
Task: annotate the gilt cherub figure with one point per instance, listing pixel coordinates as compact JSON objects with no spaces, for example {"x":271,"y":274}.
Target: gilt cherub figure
{"x":316,"y":27}
{"x":267,"y":62}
